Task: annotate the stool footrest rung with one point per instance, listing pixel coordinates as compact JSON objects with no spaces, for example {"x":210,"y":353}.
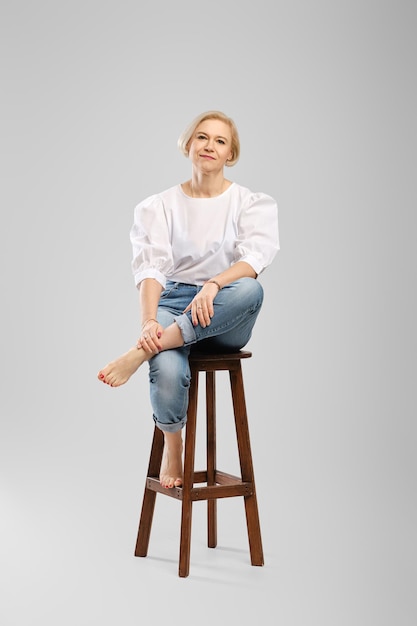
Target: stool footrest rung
{"x":213,"y":492}
{"x":227,"y":486}
{"x":153,"y":484}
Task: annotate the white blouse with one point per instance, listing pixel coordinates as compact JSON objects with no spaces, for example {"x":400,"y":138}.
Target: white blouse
{"x":189,"y":240}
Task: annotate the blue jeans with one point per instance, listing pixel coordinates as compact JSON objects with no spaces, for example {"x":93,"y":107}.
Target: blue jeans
{"x":236,"y":308}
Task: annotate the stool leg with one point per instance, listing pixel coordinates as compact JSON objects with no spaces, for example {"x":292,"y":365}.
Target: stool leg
{"x":148,"y":503}
{"x":188,"y":478}
{"x":211,"y":457}
{"x":246,"y":465}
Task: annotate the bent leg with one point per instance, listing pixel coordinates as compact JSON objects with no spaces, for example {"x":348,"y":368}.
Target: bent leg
{"x":236,"y":312}
{"x":236,"y":308}
{"x":169,"y":377}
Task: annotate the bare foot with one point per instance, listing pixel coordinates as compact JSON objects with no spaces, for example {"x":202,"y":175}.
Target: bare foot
{"x":171,"y":467}
{"x":119,"y":371}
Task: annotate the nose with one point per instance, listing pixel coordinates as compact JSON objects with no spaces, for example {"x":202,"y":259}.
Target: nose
{"x":209,"y":145}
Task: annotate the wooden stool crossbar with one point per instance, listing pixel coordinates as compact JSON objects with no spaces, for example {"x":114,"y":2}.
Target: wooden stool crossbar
{"x":209,"y":484}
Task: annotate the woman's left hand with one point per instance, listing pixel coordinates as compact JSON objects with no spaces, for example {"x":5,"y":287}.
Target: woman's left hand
{"x":201,"y":307}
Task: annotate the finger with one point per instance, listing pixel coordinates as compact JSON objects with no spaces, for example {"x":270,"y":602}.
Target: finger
{"x":157,"y":345}
{"x":207,"y":318}
{"x":202,"y":315}
{"x":194,"y":315}
{"x":145,"y":343}
{"x":199,"y":311}
{"x":153,"y":345}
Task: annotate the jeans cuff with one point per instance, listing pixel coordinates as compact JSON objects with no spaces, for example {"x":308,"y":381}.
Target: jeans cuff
{"x":187,"y":329}
{"x":170,"y":428}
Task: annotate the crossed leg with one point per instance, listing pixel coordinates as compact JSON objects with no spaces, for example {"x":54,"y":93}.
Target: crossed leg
{"x":119,"y":371}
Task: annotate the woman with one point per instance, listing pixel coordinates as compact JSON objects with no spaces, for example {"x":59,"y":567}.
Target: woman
{"x":198,"y":248}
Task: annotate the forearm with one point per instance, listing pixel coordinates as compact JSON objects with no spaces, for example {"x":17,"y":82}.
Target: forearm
{"x":241,"y":269}
{"x":149,"y":294}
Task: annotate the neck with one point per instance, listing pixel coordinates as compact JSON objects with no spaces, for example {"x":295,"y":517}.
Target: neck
{"x":207,"y":188}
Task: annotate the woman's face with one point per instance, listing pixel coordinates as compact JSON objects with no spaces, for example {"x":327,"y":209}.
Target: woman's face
{"x":211,"y":145}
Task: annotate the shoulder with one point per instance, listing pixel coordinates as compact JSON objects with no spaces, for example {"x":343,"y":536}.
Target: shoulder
{"x":247,"y":197}
{"x":158,"y":200}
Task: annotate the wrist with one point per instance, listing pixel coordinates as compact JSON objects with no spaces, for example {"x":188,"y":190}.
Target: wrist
{"x":213,"y":280}
{"x":150,"y":319}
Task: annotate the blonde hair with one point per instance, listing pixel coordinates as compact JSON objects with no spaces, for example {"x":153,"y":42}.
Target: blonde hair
{"x":185,"y":137}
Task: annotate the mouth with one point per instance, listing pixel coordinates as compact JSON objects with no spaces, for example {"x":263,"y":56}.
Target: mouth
{"x":207,"y":156}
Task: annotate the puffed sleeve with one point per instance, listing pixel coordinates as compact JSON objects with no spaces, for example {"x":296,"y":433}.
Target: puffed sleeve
{"x":150,"y":238}
{"x":258,"y":234}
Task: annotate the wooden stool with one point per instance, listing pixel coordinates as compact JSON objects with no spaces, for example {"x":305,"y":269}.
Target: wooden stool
{"x":217,"y":484}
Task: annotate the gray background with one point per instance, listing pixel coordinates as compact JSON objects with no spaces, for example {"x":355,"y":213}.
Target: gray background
{"x":94,"y":96}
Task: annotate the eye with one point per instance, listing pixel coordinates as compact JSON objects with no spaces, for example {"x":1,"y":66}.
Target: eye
{"x":221,"y":141}
{"x":200,"y":136}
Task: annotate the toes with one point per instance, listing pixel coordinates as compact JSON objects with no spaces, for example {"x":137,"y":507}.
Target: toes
{"x":101,"y":377}
{"x":169,"y":482}
{"x":166,"y":481}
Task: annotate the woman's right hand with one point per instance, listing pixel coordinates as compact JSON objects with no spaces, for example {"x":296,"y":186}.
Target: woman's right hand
{"x":150,"y":337}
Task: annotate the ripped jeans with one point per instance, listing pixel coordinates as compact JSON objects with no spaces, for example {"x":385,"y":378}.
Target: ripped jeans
{"x":236,"y":308}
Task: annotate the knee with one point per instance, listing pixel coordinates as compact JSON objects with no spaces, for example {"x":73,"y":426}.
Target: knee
{"x":169,"y":372}
{"x":168,"y":377}
{"x":252,"y":291}
{"x":169,"y":388}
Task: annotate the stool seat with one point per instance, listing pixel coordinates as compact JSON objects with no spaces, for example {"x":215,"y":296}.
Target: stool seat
{"x":209,"y":484}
